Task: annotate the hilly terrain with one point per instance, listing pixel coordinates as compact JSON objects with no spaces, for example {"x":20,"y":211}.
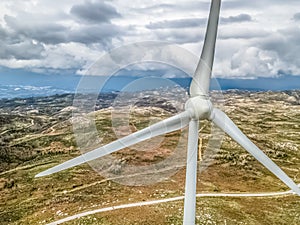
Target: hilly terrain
{"x":38,"y":133}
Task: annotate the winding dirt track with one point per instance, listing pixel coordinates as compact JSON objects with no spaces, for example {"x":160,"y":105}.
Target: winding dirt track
{"x":139,"y":204}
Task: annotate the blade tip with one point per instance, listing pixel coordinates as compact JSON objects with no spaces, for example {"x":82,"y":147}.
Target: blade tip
{"x":297,"y":192}
{"x":42,"y":174}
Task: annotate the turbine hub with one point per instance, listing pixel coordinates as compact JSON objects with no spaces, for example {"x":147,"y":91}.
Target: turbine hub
{"x":200,"y":107}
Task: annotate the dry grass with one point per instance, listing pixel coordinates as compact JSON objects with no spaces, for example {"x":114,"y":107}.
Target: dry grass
{"x":26,"y":200}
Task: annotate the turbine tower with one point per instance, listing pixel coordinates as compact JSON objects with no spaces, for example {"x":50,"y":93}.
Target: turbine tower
{"x":197,"y":108}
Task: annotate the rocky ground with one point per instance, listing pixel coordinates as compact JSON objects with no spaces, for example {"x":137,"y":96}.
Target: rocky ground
{"x":37,"y":133}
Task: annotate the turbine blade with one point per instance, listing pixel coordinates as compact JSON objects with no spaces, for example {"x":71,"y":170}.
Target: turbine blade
{"x":228,"y":126}
{"x":171,"y":124}
{"x":191,"y":174}
{"x":201,"y":80}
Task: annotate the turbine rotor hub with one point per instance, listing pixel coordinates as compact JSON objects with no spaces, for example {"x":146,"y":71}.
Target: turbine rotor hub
{"x":200,"y":107}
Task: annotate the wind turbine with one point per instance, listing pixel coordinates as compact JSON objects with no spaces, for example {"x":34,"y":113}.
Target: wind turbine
{"x":198,"y":107}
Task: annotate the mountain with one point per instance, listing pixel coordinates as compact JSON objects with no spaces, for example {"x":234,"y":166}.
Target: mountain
{"x":23,"y":85}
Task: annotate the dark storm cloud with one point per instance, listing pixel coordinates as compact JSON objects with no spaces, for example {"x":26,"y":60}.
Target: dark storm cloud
{"x":21,"y":51}
{"x":94,"y":12}
{"x":180,"y":23}
{"x":15,"y":47}
{"x":297,"y":17}
{"x":30,"y":27}
{"x":236,"y":19}
{"x":102,"y":33}
{"x":2,"y":33}
{"x":43,"y":31}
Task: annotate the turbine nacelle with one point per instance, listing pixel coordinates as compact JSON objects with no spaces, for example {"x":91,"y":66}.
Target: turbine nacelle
{"x":199,"y":107}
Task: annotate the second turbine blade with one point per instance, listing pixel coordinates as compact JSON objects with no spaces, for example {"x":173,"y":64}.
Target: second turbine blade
{"x":227,"y":125}
{"x":168,"y":125}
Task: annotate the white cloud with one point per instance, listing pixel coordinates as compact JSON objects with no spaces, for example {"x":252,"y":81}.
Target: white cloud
{"x":253,"y":60}
{"x":256,"y":38}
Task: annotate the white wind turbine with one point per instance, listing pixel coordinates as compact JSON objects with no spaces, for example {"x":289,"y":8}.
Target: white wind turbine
{"x":198,"y":107}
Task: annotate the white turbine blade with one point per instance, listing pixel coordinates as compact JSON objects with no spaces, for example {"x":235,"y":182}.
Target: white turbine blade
{"x":171,"y":124}
{"x":191,"y":175}
{"x":201,"y":80}
{"x":227,"y":125}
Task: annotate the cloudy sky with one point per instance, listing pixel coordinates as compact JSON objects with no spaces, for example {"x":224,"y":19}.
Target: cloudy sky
{"x":256,"y":38}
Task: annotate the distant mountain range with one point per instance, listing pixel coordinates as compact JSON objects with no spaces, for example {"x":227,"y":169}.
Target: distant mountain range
{"x":31,"y":85}
{"x":26,"y":91}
